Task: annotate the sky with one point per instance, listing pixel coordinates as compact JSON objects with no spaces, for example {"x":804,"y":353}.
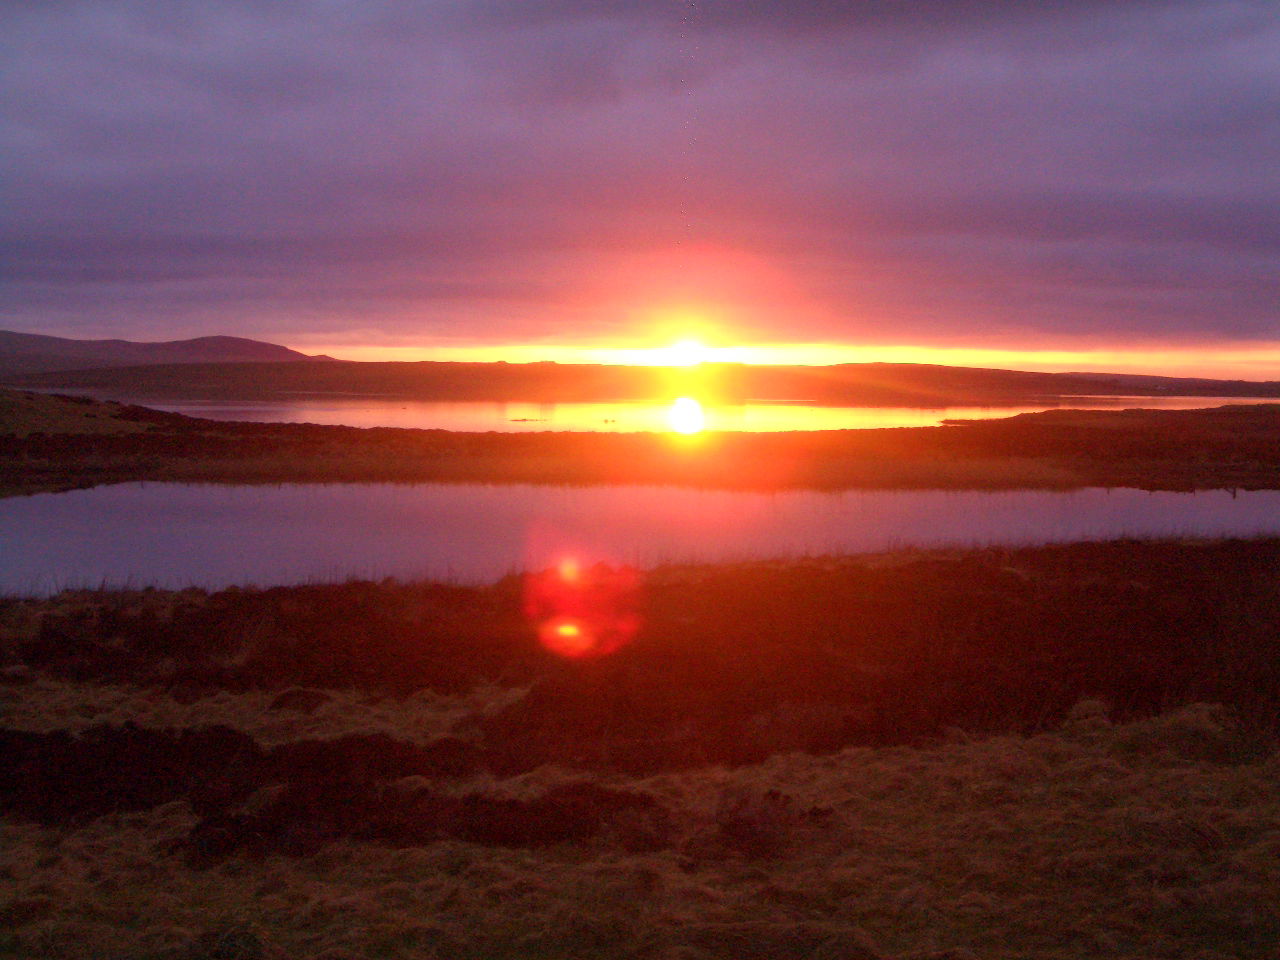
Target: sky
{"x":1061,"y":184}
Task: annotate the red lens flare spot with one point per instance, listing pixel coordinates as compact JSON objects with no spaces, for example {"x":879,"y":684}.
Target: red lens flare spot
{"x":567,"y":638}
{"x":582,"y":611}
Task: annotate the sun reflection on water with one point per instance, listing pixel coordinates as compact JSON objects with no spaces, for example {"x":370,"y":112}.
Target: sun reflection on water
{"x":687,"y":416}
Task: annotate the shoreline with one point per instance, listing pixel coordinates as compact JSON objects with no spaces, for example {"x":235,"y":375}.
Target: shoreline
{"x":53,"y":442}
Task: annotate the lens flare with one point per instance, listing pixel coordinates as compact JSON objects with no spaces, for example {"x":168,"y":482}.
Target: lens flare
{"x":582,"y":611}
{"x":567,"y":637}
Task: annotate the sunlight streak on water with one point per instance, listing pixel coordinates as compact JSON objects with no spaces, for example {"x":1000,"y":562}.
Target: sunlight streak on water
{"x":686,"y":416}
{"x":759,"y":416}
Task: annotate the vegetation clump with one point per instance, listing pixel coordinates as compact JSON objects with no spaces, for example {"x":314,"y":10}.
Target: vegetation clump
{"x":1035,"y":753}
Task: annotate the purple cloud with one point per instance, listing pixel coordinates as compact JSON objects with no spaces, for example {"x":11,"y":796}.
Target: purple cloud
{"x":970,"y":169}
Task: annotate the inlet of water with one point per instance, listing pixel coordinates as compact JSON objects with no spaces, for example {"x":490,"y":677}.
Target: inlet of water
{"x":757,"y":417}
{"x":176,"y":535}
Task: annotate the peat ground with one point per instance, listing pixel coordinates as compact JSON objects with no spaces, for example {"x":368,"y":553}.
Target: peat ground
{"x":985,"y":753}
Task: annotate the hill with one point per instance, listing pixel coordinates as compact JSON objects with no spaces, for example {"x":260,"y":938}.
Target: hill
{"x":33,"y":353}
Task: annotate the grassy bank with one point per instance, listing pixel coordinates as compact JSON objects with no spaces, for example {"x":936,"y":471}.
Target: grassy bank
{"x":730,"y":663}
{"x":51,"y":443}
{"x":1121,"y":841}
{"x":948,"y":754}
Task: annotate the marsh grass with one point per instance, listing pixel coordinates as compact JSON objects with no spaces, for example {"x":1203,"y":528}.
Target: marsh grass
{"x":1001,"y":753}
{"x":23,"y":413}
{"x":732,"y":662}
{"x":270,"y":717}
{"x":1097,"y":839}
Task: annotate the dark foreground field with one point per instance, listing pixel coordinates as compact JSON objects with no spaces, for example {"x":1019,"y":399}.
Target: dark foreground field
{"x":999,"y":753}
{"x":54,"y":443}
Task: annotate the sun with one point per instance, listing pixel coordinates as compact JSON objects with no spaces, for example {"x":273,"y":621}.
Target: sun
{"x":686,"y":353}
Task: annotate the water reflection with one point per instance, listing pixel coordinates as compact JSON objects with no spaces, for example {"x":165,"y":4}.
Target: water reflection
{"x":757,"y":416}
{"x":213,"y":536}
{"x":686,"y":416}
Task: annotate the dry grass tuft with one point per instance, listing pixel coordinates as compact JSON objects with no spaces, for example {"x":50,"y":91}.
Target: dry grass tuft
{"x":46,"y":704}
{"x":1129,"y":841}
{"x":907,"y":757}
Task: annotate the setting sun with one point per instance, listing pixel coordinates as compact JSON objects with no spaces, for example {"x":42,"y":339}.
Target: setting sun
{"x":686,"y":353}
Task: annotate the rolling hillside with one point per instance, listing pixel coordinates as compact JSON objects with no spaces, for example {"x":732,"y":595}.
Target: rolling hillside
{"x":32,"y":353}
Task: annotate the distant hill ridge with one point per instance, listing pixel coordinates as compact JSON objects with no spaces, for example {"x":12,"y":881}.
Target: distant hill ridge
{"x":230,"y":368}
{"x":28,"y":353}
{"x":871,"y":384}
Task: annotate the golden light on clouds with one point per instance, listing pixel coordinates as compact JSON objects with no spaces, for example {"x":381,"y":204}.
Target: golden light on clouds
{"x":704,"y":304}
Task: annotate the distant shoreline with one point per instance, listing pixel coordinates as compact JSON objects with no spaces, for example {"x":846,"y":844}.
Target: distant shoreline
{"x":58,"y":443}
{"x":859,"y":384}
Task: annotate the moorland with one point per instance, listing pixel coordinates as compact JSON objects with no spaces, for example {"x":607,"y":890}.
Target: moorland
{"x":944,"y":754}
{"x":1042,"y":753}
{"x":956,"y":754}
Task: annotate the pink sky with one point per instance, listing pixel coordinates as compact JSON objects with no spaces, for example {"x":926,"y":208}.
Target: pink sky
{"x":1054,"y":185}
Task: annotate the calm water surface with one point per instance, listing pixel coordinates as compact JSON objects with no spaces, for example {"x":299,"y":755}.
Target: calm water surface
{"x":629,"y":417}
{"x":175,"y":535}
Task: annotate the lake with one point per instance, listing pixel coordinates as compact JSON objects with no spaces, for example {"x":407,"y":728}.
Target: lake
{"x":175,"y":535}
{"x":762,"y":417}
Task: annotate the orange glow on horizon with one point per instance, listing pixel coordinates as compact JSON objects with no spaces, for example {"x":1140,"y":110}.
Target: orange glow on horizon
{"x":1232,"y":361}
{"x":687,"y":353}
{"x":712,"y":303}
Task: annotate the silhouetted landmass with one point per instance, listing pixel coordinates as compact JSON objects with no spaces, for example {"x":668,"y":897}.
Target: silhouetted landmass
{"x":24,"y":354}
{"x":62,"y":442}
{"x":862,"y":384}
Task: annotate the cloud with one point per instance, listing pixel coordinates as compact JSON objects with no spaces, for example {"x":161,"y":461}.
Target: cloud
{"x":1022,"y":171}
